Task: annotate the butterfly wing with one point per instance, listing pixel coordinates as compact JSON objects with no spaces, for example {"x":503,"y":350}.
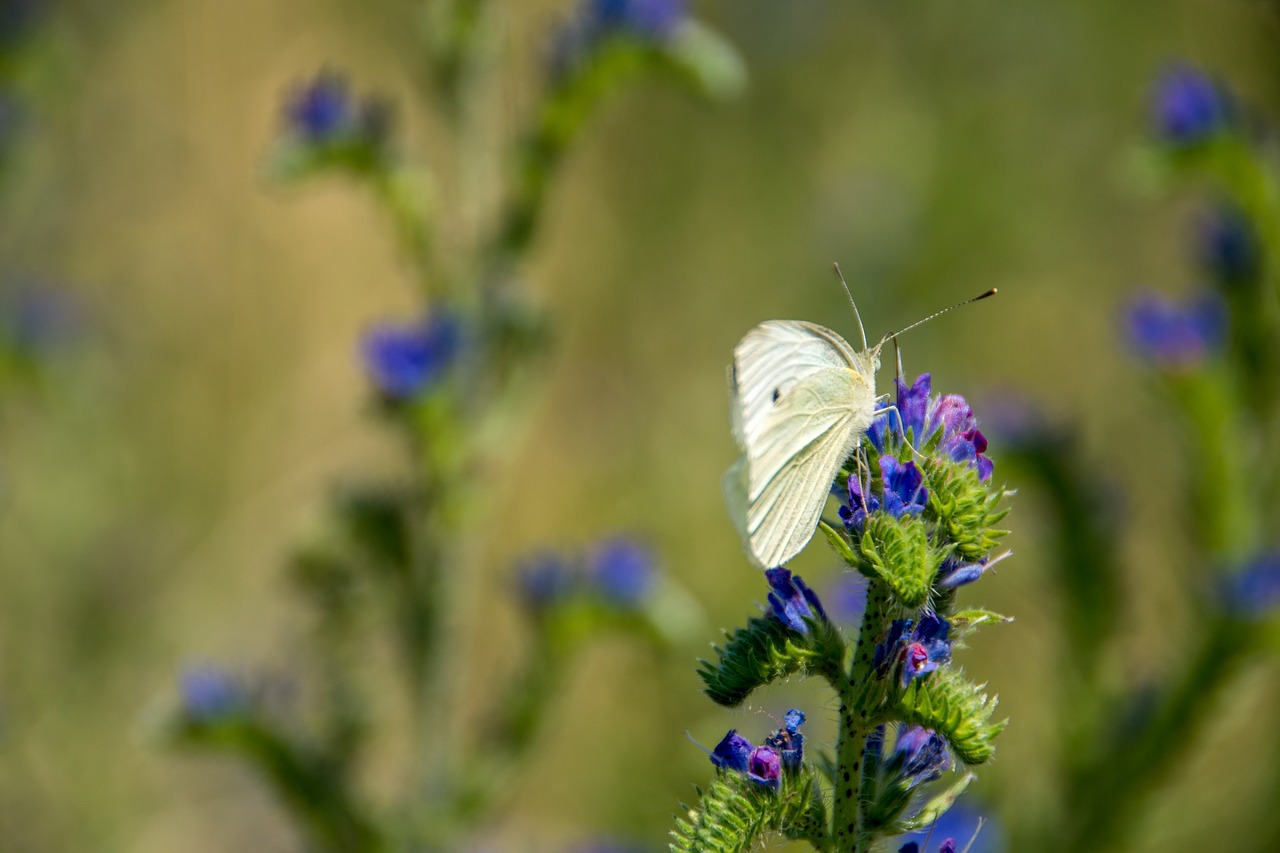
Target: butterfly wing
{"x":801,"y":399}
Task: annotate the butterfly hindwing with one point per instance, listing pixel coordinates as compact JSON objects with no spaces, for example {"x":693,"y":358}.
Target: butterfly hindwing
{"x":802,"y":397}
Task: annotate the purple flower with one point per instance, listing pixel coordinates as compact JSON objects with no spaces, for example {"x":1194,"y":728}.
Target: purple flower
{"x":1253,"y":591}
{"x":920,"y":646}
{"x":787,"y":740}
{"x":1227,"y":247}
{"x":919,"y":756}
{"x":903,"y":493}
{"x":322,"y":110}
{"x":792,"y":601}
{"x":733,"y":752}
{"x":764,"y":767}
{"x":920,"y":418}
{"x":404,"y":361}
{"x":544,"y":581}
{"x":622,"y":570}
{"x":210,"y":694}
{"x":1188,"y":107}
{"x":1173,"y":336}
{"x":760,"y":763}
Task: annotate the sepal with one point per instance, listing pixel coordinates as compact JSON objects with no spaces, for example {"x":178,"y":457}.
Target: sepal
{"x":955,"y":708}
{"x":767,"y":650}
{"x":933,"y":808}
{"x":897,"y":551}
{"x":966,"y":510}
{"x":733,"y":813}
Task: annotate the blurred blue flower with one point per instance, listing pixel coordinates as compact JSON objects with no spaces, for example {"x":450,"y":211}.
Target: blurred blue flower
{"x":404,"y":361}
{"x":322,"y":110}
{"x":596,"y":21}
{"x":961,"y":822}
{"x":1187,"y":106}
{"x":36,"y":319}
{"x":544,"y":580}
{"x":622,"y":570}
{"x":792,"y":601}
{"x":1253,"y":591}
{"x":846,"y":597}
{"x":1227,"y":247}
{"x":1176,"y":336}
{"x":210,"y":694}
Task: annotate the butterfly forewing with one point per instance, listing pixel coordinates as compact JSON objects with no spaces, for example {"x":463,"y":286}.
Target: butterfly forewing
{"x":802,"y":398}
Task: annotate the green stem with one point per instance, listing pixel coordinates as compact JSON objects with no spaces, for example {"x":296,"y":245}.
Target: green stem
{"x":856,"y":724}
{"x":1124,"y":778}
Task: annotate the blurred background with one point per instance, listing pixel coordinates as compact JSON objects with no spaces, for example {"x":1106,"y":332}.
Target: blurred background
{"x":206,"y":398}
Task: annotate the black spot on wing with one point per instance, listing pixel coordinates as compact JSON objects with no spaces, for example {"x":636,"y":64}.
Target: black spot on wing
{"x":777,"y":394}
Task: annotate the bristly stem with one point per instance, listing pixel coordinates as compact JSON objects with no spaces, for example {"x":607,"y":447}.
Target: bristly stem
{"x":856,"y":724}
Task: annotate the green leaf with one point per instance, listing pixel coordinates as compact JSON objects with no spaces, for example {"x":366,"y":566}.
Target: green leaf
{"x":840,"y":545}
{"x":955,"y":708}
{"x":897,"y":551}
{"x":966,"y":621}
{"x":767,"y":650}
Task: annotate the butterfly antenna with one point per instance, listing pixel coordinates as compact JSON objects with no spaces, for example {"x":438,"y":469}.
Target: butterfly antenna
{"x":991,"y":292}
{"x":856,"y":315}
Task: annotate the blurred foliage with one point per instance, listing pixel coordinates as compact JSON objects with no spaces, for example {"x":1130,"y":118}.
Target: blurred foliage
{"x":154,"y":480}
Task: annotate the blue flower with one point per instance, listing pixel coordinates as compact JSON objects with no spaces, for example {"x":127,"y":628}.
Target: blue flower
{"x":1228,"y":248}
{"x":787,"y":740}
{"x":622,"y":570}
{"x":544,"y":581}
{"x":954,"y":573}
{"x":1173,"y":336}
{"x":1253,"y":591}
{"x":921,"y":646}
{"x":733,"y":752}
{"x":404,"y":361}
{"x":919,"y":756}
{"x":323,"y":110}
{"x":1188,"y":107}
{"x":792,"y":601}
{"x":919,"y":417}
{"x":903,"y":493}
{"x":210,"y":694}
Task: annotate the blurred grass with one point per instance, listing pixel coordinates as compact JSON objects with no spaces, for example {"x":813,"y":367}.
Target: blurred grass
{"x":153,"y":487}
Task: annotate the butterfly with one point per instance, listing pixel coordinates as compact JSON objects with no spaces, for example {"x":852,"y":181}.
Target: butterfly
{"x":801,"y":399}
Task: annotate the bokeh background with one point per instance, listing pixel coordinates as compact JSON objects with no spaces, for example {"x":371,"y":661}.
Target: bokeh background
{"x":177,"y":446}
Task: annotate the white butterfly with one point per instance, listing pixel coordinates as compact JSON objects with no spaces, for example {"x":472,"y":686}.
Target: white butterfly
{"x":801,"y":398}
